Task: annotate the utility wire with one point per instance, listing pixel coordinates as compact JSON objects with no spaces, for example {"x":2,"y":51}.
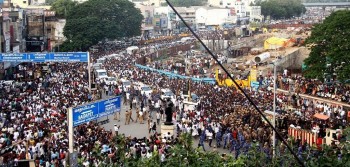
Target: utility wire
{"x":249,"y":99}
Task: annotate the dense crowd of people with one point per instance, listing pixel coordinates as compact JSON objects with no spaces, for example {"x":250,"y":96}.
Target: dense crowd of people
{"x":34,"y":126}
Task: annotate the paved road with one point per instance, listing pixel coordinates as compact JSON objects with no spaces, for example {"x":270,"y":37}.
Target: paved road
{"x":141,"y":130}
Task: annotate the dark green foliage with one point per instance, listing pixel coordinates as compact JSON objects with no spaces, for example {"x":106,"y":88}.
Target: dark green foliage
{"x":95,"y":20}
{"x":62,"y":7}
{"x":330,"y":48}
{"x":184,"y":155}
{"x":278,"y":9}
{"x":186,"y":3}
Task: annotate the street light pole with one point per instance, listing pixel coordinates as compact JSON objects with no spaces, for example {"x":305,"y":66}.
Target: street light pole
{"x":274,"y":110}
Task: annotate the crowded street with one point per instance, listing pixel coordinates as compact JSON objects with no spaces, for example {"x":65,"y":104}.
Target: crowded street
{"x":34,"y":107}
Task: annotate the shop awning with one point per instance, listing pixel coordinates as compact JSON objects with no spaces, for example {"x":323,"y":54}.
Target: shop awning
{"x":321,"y":116}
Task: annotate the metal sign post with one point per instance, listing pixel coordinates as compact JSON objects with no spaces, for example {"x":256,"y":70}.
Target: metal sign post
{"x":89,"y":71}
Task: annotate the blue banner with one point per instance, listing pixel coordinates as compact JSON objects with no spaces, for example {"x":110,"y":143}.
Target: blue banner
{"x":173,"y":75}
{"x":45,"y":57}
{"x":95,"y":110}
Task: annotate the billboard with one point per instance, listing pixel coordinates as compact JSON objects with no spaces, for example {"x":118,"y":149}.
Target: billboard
{"x":93,"y":111}
{"x":45,"y":57}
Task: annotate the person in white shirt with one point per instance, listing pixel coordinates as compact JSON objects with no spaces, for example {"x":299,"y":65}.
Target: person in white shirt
{"x":141,"y":117}
{"x":116,"y":129}
{"x":210,"y":137}
{"x":158,"y":117}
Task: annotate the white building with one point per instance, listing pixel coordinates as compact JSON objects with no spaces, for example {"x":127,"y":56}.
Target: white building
{"x":169,"y":12}
{"x":255,"y":13}
{"x":38,"y":2}
{"x":213,"y":17}
{"x":239,"y":7}
{"x":148,"y":15}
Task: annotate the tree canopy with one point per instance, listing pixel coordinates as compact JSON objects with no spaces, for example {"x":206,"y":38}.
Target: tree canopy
{"x":278,"y":9}
{"x":186,"y":3}
{"x":62,"y":7}
{"x":95,"y":20}
{"x":50,"y":2}
{"x":330,"y":48}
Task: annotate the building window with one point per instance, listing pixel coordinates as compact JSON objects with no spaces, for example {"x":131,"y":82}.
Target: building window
{"x":228,"y":4}
{"x":24,"y":2}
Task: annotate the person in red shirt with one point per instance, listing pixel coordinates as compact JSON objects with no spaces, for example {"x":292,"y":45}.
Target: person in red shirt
{"x":234,"y":133}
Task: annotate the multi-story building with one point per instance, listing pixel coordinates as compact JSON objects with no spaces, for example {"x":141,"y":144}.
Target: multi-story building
{"x":5,"y":36}
{"x":255,"y":13}
{"x":18,"y":30}
{"x":240,"y":8}
{"x":189,"y":15}
{"x":38,"y":2}
{"x":37,"y":37}
{"x":20,"y":3}
{"x":207,"y":17}
{"x":147,"y":23}
{"x":168,"y":19}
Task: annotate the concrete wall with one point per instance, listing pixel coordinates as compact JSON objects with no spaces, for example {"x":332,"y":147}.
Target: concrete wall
{"x":295,"y":59}
{"x":291,"y":60}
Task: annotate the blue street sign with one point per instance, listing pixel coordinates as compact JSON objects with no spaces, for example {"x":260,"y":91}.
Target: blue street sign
{"x":45,"y":57}
{"x":109,"y":106}
{"x":13,"y":57}
{"x":95,"y":110}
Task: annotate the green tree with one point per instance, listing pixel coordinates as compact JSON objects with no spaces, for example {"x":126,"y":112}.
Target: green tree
{"x":62,"y":7}
{"x":330,"y":48}
{"x":184,"y":155}
{"x":94,"y":20}
{"x":186,"y":3}
{"x":49,"y":2}
{"x":279,"y":9}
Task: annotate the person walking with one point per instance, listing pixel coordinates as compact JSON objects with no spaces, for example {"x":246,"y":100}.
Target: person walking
{"x":161,"y":111}
{"x":116,"y":129}
{"x":158,"y":117}
{"x":218,"y":139}
{"x":154,"y":127}
{"x":117,"y":116}
{"x":149,"y":125}
{"x":130,"y":116}
{"x":141,"y":117}
{"x":201,"y":142}
{"x":210,"y":137}
{"x":127,"y":118}
{"x":137,"y":114}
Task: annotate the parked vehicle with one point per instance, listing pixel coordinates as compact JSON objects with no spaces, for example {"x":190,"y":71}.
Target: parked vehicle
{"x":101,"y":74}
{"x":145,"y":89}
{"x":111,"y":80}
{"x":124,"y":84}
{"x":167,"y":93}
{"x":97,"y":66}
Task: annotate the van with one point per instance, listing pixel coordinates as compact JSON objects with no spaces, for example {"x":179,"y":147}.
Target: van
{"x":97,"y":66}
{"x":101,"y":73}
{"x":167,"y":93}
{"x":132,"y":49}
{"x":101,"y":60}
{"x":125,"y":84}
{"x":146,"y":90}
